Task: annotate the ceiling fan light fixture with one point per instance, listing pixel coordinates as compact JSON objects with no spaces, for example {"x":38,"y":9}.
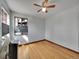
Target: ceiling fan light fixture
{"x":43,"y":9}
{"x":45,"y":5}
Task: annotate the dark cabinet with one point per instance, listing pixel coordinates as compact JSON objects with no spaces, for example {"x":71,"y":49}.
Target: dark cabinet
{"x":12,"y":51}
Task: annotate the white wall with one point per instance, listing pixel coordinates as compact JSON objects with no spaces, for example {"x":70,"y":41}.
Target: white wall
{"x":36,"y":27}
{"x":62,"y":28}
{"x":4,"y":5}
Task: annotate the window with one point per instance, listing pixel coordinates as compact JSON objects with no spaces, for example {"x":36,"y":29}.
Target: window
{"x":21,"y":26}
{"x":5,"y":22}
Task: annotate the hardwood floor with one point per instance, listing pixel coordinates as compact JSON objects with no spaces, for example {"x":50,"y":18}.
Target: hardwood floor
{"x":45,"y":50}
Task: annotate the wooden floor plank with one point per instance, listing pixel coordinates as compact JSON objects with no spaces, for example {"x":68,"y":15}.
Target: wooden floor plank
{"x":45,"y":50}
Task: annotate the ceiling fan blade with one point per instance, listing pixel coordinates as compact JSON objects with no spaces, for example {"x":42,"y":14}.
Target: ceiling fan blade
{"x":51,"y":6}
{"x":39,"y":10}
{"x":45,"y":2}
{"x":37,"y":5}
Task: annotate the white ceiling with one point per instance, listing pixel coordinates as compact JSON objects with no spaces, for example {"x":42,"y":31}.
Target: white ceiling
{"x":27,"y":7}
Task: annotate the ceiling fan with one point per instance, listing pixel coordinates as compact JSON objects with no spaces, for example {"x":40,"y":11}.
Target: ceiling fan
{"x":44,"y":6}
